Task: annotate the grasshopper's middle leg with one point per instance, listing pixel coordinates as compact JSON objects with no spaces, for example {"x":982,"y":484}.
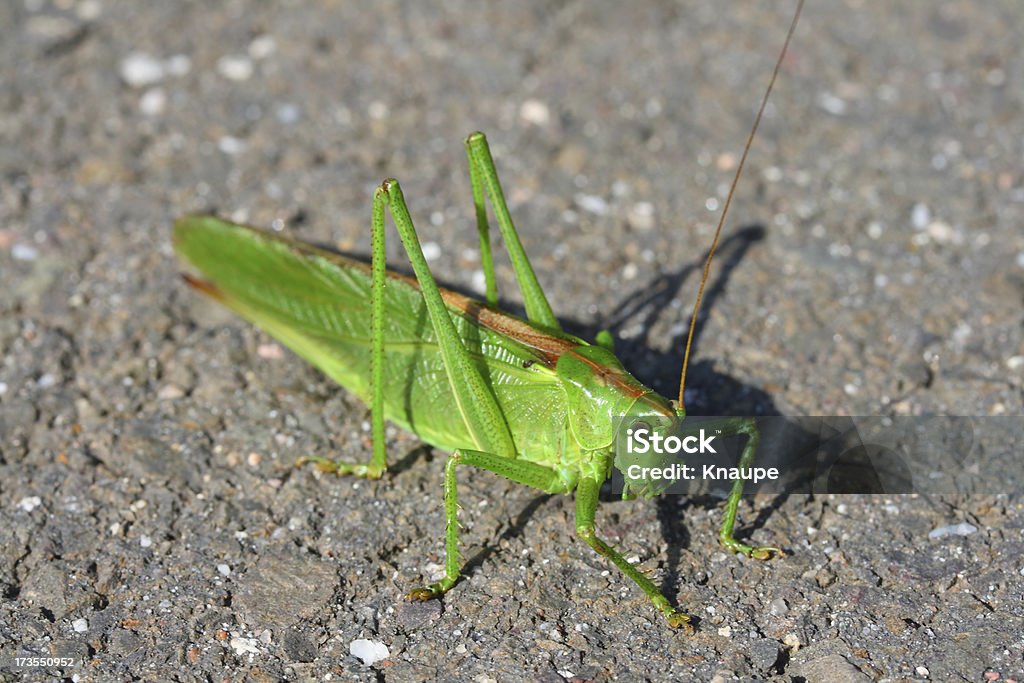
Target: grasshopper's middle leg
{"x":378,"y":462}
{"x":586,"y":507}
{"x":520,"y":471}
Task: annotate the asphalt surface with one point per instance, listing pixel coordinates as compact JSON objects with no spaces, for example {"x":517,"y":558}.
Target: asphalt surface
{"x":152,"y":524}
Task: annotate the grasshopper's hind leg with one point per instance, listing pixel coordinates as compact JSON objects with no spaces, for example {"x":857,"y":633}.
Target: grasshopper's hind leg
{"x":520,"y":471}
{"x":586,"y":507}
{"x":483,"y":176}
{"x":746,"y":426}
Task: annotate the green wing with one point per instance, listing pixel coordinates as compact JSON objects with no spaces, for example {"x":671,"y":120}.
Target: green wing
{"x":317,"y":303}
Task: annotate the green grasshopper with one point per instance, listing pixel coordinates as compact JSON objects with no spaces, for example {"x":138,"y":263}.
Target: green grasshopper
{"x":520,"y":398}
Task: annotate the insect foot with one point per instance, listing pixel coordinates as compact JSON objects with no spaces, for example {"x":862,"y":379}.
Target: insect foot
{"x":342,"y":468}
{"x":764,"y":552}
{"x":434,"y":590}
{"x":680,"y":620}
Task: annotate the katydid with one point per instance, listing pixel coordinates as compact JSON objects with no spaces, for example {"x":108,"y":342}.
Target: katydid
{"x":519,"y":398}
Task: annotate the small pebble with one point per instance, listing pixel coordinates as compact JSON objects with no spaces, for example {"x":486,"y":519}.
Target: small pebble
{"x":235,"y":67}
{"x":369,"y":651}
{"x":270,"y":351}
{"x":641,"y":216}
{"x":153,"y":102}
{"x":920,"y":216}
{"x":145,"y":541}
{"x":431,"y":251}
{"x":24,"y":252}
{"x":961,"y":529}
{"x":922,"y":671}
{"x":262,"y":46}
{"x":170,"y":392}
{"x":535,"y":112}
{"x":223,"y":570}
{"x":30,"y":503}
{"x":89,"y":10}
{"x":778,"y":607}
{"x":832,"y":104}
{"x":140,"y":69}
{"x":231,"y":145}
{"x":243,"y":646}
{"x":479,"y":282}
{"x":592,"y":203}
{"x":941,"y":232}
{"x":725,"y":162}
{"x":80,"y":625}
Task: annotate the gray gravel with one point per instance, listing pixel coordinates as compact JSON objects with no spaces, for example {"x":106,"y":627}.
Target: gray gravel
{"x":152,"y":525}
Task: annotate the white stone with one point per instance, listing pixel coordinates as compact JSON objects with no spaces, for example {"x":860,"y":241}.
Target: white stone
{"x":153,"y":102}
{"x":24,"y":252}
{"x":536,"y":112}
{"x":431,"y":251}
{"x":961,"y":529}
{"x":369,"y":651}
{"x":140,"y":69}
{"x":592,"y":203}
{"x":235,"y":67}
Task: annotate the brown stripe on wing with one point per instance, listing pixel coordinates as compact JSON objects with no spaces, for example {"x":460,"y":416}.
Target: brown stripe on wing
{"x":616,"y":377}
{"x":548,"y":346}
{"x":207,"y":288}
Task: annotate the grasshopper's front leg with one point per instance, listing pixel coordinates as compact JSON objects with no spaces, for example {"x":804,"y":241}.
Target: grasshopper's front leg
{"x":586,"y":508}
{"x":746,"y":426}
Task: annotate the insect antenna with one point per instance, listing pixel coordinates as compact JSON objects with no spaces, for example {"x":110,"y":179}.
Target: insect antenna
{"x":728,"y":201}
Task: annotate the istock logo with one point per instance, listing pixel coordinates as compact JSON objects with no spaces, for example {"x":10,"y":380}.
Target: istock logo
{"x":642,"y":441}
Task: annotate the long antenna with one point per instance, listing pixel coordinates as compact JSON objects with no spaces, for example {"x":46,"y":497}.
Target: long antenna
{"x":728,"y":201}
